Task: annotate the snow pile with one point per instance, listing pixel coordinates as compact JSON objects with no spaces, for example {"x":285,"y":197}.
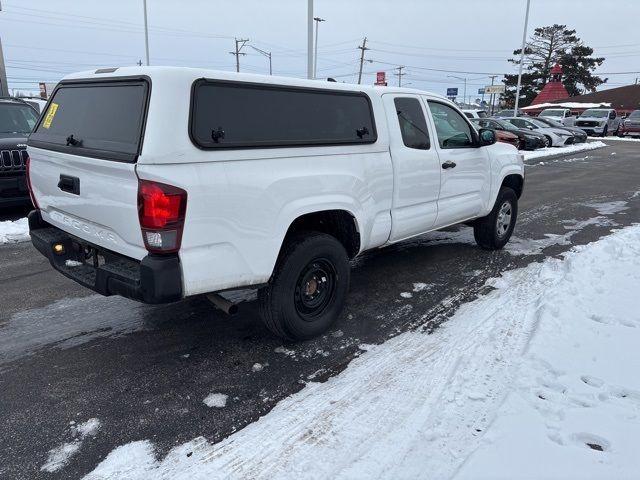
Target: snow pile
{"x":553,"y":151}
{"x":217,"y":400}
{"x":14,"y":231}
{"x":538,"y":378}
{"x":618,"y":139}
{"x":60,"y":456}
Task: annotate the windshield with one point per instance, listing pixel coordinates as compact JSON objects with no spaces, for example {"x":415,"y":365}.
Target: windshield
{"x":634,"y":114}
{"x":538,"y":123}
{"x":506,"y":125}
{"x":549,"y":122}
{"x":17,"y":118}
{"x":595,"y":113}
{"x":552,"y":113}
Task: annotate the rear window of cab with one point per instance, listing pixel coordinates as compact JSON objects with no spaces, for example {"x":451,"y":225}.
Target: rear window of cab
{"x":246,"y":115}
{"x":95,"y":119}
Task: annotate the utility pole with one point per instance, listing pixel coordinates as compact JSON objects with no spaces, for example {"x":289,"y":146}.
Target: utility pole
{"x":146,"y":31}
{"x":363,"y":48}
{"x":524,"y":44}
{"x":315,"y":53}
{"x":239,"y":44}
{"x":399,"y":75}
{"x":4,"y":86}
{"x":491,"y":97}
{"x":266,"y":54}
{"x":310,"y":39}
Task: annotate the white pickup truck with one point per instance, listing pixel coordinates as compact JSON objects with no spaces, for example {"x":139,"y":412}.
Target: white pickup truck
{"x":561,"y":115}
{"x":160,"y":183}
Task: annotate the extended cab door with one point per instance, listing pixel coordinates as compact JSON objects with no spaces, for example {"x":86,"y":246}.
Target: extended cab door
{"x":465,"y":169}
{"x":416,"y":167}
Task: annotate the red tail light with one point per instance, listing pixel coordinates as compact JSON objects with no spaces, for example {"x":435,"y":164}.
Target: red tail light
{"x":33,"y":197}
{"x":161,"y":209}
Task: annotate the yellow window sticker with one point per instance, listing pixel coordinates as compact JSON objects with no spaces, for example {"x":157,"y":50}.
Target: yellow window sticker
{"x":53,"y":108}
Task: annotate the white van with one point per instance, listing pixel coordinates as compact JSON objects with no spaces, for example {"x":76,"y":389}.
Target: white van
{"x":160,"y":183}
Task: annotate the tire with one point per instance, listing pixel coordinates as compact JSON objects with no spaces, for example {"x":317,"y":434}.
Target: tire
{"x":308,"y":261}
{"x":605,"y":131}
{"x":548,"y":142}
{"x":493,"y":231}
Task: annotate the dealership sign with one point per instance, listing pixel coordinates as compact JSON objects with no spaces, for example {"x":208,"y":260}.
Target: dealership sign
{"x":452,"y":92}
{"x":381,"y":78}
{"x":491,"y":89}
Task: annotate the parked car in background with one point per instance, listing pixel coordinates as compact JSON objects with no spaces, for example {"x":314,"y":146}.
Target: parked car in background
{"x":528,"y":140}
{"x":163,"y":183}
{"x":599,"y":121}
{"x":508,"y":138}
{"x":630,"y":126}
{"x":17,"y":119}
{"x":36,"y":102}
{"x":509,"y":113}
{"x":555,"y":136}
{"x":579,"y":136}
{"x":561,"y":115}
{"x":475,"y":113}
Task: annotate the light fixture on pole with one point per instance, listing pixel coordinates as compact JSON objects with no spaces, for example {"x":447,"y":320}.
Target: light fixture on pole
{"x":146,"y":31}
{"x":524,"y":43}
{"x":266,"y":54}
{"x":315,"y":53}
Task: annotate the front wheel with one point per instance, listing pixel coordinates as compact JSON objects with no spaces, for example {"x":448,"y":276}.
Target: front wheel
{"x":493,"y":231}
{"x":308,"y":288}
{"x":605,"y":131}
{"x":547,"y":141}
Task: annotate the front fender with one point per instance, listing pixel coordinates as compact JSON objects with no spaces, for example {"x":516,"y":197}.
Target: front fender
{"x":503,"y":164}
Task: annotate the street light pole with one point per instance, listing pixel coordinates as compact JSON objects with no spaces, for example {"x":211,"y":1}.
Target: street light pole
{"x":146,"y":31}
{"x":464,"y":79}
{"x":266,"y":54}
{"x":524,"y":42}
{"x":315,"y":53}
{"x":310,"y":39}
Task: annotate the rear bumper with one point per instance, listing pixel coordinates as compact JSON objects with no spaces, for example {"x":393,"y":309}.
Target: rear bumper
{"x":155,"y":279}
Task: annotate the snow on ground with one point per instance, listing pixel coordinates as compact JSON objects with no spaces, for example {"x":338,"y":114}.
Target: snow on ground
{"x":552,"y":151}
{"x":14,"y":231}
{"x":217,"y":400}
{"x":617,"y":139}
{"x":60,"y":456}
{"x":536,"y":379}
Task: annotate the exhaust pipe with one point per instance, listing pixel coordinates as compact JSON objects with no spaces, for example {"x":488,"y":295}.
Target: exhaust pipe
{"x":223,"y":304}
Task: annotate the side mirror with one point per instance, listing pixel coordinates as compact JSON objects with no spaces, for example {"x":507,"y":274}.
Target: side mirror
{"x":487,"y":137}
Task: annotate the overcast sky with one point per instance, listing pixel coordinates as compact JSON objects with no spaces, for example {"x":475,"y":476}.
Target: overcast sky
{"x":43,"y":40}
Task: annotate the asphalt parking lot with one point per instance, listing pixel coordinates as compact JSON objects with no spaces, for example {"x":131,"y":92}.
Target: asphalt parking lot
{"x":68,"y":355}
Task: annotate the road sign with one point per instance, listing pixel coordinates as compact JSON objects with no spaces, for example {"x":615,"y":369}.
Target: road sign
{"x":481,"y":91}
{"x":452,"y":92}
{"x":490,"y":89}
{"x":381,"y":78}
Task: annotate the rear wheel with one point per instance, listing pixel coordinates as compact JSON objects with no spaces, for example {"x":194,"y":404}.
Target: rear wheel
{"x":493,"y":231}
{"x":308,"y":288}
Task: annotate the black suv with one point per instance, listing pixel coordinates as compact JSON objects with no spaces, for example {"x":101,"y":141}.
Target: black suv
{"x":17,"y":119}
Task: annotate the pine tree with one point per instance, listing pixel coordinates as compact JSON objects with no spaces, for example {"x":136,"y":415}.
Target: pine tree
{"x":546,"y":47}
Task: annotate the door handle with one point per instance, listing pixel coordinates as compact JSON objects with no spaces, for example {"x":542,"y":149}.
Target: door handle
{"x":448,"y":164}
{"x":69,"y":184}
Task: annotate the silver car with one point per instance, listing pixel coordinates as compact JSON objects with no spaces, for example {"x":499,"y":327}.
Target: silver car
{"x":555,"y":136}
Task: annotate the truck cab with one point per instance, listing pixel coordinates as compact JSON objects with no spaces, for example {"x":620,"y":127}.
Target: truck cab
{"x":561,"y":115}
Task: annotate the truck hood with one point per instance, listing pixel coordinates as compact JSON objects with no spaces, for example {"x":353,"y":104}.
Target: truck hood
{"x":12,"y":141}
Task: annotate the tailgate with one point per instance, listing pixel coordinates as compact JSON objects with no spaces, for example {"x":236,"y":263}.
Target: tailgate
{"x":82,"y":162}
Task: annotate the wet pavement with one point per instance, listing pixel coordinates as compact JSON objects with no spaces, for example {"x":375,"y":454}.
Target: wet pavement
{"x":68,"y":355}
